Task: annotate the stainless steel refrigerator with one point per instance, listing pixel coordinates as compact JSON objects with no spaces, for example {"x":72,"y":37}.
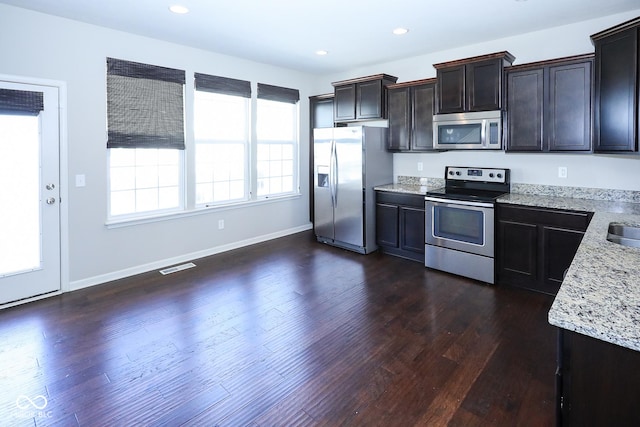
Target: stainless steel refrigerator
{"x":348,"y":163}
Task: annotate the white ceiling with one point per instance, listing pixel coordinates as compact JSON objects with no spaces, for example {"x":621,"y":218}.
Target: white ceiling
{"x":356,"y":33}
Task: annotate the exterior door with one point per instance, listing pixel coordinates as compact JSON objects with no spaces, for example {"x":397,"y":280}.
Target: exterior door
{"x":29,"y":185}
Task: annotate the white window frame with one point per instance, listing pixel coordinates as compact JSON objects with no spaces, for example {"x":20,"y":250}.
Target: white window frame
{"x":245,"y":142}
{"x":295,"y":143}
{"x":147,"y":213}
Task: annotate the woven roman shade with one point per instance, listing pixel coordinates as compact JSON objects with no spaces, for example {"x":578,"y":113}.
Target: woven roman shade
{"x":277,"y":93}
{"x":21,"y":102}
{"x":222,"y":85}
{"x":145,"y":105}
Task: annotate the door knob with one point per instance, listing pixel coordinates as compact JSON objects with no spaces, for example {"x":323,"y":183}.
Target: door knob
{"x":50,"y":186}
{"x":51,"y":200}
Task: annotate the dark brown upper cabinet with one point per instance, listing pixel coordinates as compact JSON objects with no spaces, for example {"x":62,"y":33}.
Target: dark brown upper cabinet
{"x":617,"y":88}
{"x":363,"y":98}
{"x":549,"y":105}
{"x":472,"y":84}
{"x":321,"y":111}
{"x":411,"y":106}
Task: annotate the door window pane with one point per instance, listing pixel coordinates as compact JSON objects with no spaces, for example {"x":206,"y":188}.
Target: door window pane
{"x":20,"y":244}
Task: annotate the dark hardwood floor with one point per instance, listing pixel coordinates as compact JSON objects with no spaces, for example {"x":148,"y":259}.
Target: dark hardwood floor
{"x":282,"y":333}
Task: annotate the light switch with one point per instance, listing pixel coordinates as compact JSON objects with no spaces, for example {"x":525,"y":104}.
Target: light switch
{"x":80,"y":181}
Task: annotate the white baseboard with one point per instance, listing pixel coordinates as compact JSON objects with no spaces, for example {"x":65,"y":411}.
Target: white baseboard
{"x":104,"y":278}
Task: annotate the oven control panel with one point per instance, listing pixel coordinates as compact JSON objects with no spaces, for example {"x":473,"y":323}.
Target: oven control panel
{"x":456,"y":173}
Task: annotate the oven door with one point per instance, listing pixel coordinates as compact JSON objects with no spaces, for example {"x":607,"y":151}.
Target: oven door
{"x":460,"y":225}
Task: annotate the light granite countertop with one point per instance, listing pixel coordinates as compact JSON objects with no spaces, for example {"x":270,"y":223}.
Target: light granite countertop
{"x":600,"y":296}
{"x":405,"y":188}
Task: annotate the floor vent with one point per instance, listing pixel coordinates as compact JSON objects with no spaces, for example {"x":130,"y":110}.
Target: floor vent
{"x":177,"y":268}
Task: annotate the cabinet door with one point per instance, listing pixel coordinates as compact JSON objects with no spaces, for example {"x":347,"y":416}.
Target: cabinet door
{"x":484,"y":85}
{"x":568,"y":119}
{"x":345,"y":103}
{"x":369,"y":99}
{"x":616,"y":87}
{"x":422,"y":101}
{"x":399,"y":119}
{"x":525,"y":100}
{"x":600,"y":382}
{"x":451,"y":90}
{"x":559,"y":246}
{"x":518,"y":254}
{"x":387,"y":217}
{"x":321,"y":112}
{"x":412,"y":229}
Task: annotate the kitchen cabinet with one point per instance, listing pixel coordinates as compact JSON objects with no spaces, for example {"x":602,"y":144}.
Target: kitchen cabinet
{"x":596,"y":382}
{"x":549,"y":105}
{"x":410,"y":113}
{"x":321,"y":111}
{"x":617,"y":88}
{"x":472,"y":84}
{"x":535,"y":246}
{"x":362,"y":98}
{"x":400,"y":224}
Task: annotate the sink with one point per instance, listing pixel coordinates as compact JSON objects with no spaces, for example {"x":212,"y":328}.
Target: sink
{"x":623,"y":234}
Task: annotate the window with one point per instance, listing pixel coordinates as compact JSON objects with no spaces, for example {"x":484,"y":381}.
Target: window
{"x":221,"y":129}
{"x":145,"y":121}
{"x":277,"y":148}
{"x":145,"y":179}
{"x":234,"y":156}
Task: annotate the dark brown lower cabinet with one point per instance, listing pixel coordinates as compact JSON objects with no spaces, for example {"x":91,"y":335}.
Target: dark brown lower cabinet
{"x":535,"y":246}
{"x":400,"y":224}
{"x":597,"y":382}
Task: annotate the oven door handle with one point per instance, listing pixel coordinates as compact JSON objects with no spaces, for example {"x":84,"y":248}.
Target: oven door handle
{"x":458,"y":202}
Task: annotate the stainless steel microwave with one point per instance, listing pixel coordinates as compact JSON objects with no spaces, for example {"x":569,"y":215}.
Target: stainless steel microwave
{"x":480,"y":130}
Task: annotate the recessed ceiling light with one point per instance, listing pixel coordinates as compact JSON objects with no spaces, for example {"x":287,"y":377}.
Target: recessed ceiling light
{"x":321,"y":52}
{"x":179,"y":9}
{"x":400,"y":31}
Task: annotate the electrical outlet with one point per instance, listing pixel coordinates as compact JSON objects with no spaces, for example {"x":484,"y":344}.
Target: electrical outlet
{"x":80,"y":181}
{"x":220,"y":224}
{"x":420,"y":166}
{"x":562,"y":172}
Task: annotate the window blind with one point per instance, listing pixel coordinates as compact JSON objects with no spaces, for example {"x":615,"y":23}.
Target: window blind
{"x":145,"y":105}
{"x":277,"y":93}
{"x":21,"y":102}
{"x":222,"y":85}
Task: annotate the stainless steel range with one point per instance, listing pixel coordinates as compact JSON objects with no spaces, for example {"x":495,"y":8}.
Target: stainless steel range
{"x":459,"y":221}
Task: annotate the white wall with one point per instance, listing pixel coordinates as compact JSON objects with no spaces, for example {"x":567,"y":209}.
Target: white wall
{"x":596,"y":171}
{"x":47,"y":47}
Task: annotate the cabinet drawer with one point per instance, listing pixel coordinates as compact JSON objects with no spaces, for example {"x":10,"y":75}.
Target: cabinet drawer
{"x":572,"y":220}
{"x":404,"y":199}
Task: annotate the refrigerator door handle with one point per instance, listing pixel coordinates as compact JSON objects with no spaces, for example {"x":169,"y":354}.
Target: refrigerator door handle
{"x":333,"y":182}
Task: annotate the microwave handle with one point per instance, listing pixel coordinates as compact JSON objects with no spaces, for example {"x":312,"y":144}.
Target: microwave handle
{"x":484,"y":132}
